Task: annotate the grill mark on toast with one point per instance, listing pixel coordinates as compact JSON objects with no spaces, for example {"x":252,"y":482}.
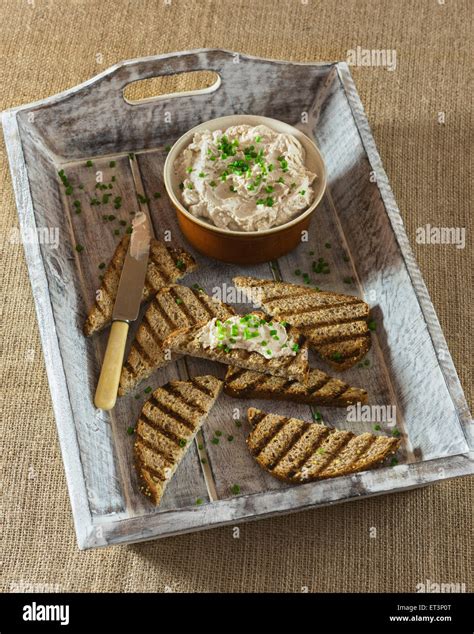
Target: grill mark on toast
{"x":164,"y":409}
{"x":336,"y":338}
{"x":182,"y":306}
{"x":355,"y":458}
{"x":282,"y":420}
{"x":157,"y":450}
{"x":256,"y":418}
{"x":148,"y":327}
{"x":344,"y":439}
{"x":164,"y":315}
{"x":199,"y":297}
{"x":142,"y":466}
{"x":144,"y":354}
{"x":318,"y":386}
{"x":309,"y":451}
{"x":294,"y":439}
{"x":170,"y":389}
{"x":157,"y":427}
{"x":251,"y":385}
{"x":202,"y":388}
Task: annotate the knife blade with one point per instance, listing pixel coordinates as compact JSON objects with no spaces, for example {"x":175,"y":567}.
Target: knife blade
{"x":126,"y":309}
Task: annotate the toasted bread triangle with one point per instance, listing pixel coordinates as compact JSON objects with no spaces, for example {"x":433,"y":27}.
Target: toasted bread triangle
{"x":170,"y":309}
{"x":166,"y":265}
{"x":186,"y":341}
{"x":334,"y":324}
{"x":296,"y":451}
{"x":166,"y":427}
{"x":319,"y":389}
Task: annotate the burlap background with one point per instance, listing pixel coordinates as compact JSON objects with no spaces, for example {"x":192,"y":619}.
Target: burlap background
{"x":48,"y":46}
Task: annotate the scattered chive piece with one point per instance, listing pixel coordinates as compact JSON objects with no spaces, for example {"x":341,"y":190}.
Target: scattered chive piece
{"x":167,"y":148}
{"x":230,"y":438}
{"x":200,"y":446}
{"x":199,"y":501}
{"x":105,"y":198}
{"x":102,"y":265}
{"x":178,"y":300}
{"x":393,"y":462}
{"x":116,"y":232}
{"x":147,"y":390}
{"x":113,"y":179}
{"x":112,"y":164}
{"x":81,"y":186}
{"x":347,"y":280}
{"x":377,"y":428}
{"x":129,"y":230}
{"x":395,"y":432}
{"x":371,"y":325}
{"x":366,"y":362}
{"x":345,"y":258}
{"x":105,"y":217}
{"x":317,"y":416}
{"x":157,"y":195}
{"x":68,"y":190}
{"x":79,"y":248}
{"x":131,"y":156}
{"x":180,"y":265}
{"x":89,"y":164}
{"x":76,"y":203}
{"x":123,"y":223}
{"x":238,"y":423}
{"x":203,"y":460}
{"x":215,"y":441}
{"x":297,"y":272}
{"x":218,"y":433}
{"x":235,"y":489}
{"x":337,"y":356}
{"x":137,"y":396}
{"x":328,"y":245}
{"x":111,"y":217}
{"x":302,"y":192}
{"x":130,"y":430}
{"x":182,"y":442}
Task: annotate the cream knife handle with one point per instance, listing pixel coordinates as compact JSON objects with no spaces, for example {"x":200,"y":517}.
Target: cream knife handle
{"x":106,"y":392}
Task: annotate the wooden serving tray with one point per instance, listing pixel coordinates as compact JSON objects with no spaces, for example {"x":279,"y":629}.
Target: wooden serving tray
{"x":409,"y":363}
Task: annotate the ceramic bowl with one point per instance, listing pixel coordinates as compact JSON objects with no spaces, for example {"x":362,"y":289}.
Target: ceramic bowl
{"x":244,"y":247}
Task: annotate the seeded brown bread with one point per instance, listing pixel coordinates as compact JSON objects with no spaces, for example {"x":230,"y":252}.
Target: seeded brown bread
{"x":297,"y":451}
{"x":335,"y":324}
{"x":186,"y":341}
{"x":166,"y":428}
{"x":166,"y":265}
{"x":170,"y":309}
{"x":319,"y":389}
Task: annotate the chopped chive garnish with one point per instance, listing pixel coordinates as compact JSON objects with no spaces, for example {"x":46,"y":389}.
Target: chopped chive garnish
{"x":79,"y":248}
{"x":68,"y":190}
{"x":215,"y":441}
{"x":130,"y":430}
{"x":347,"y":280}
{"x":327,"y":245}
{"x":113,"y":179}
{"x":377,"y":428}
{"x":111,"y":217}
{"x":238,"y":423}
{"x":230,"y":438}
{"x":178,"y":300}
{"x":372,"y":325}
{"x":180,"y":265}
{"x":131,"y":156}
{"x":235,"y":489}
{"x":167,"y":148}
{"x":116,"y":232}
{"x":302,"y":192}
{"x":112,"y":164}
{"x":203,"y":460}
{"x":395,"y":432}
{"x":102,"y":265}
{"x":147,"y":390}
{"x":297,"y":272}
{"x":198,"y":501}
{"x":317,"y":416}
{"x":182,"y":442}
{"x":218,"y":433}
{"x":393,"y":462}
{"x":89,"y":164}
{"x":336,"y":356}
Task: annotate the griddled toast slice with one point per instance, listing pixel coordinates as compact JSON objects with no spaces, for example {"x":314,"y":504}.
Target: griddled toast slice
{"x":166,"y":265}
{"x":319,"y":389}
{"x":296,"y":451}
{"x":335,"y":324}
{"x":166,"y":427}
{"x":170,"y":309}
{"x":186,"y":341}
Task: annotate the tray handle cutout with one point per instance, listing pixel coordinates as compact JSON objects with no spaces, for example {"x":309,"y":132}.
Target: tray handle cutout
{"x":180,"y":84}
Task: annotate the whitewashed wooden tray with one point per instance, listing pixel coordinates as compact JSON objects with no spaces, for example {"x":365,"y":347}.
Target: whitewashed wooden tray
{"x":410,"y":365}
